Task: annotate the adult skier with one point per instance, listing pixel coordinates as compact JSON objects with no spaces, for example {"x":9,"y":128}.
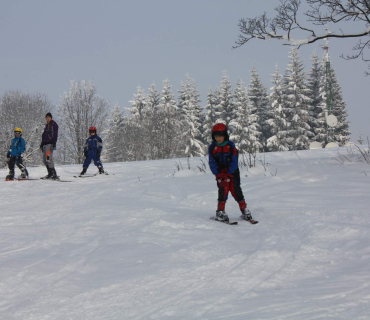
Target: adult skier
{"x":48,"y":145}
{"x":223,"y":161}
{"x":92,"y":151}
{"x":14,"y":154}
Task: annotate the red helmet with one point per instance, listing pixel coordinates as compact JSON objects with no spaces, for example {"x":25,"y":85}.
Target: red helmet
{"x":219,"y":129}
{"x":92,"y":129}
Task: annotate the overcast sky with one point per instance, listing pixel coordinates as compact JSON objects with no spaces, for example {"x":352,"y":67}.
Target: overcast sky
{"x":123,"y":44}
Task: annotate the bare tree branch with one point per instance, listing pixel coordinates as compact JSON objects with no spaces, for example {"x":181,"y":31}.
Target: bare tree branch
{"x":321,"y":12}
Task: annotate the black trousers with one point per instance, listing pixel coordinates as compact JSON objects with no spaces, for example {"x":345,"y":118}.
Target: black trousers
{"x":16,"y":161}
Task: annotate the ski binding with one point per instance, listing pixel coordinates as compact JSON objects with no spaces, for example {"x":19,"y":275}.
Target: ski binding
{"x":232,"y":223}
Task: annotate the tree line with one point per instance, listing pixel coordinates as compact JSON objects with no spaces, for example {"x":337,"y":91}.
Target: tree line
{"x":158,"y":125}
{"x":289,"y":117}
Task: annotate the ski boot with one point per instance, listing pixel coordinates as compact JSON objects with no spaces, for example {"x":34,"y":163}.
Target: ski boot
{"x":83,"y":171}
{"x":24,"y":174}
{"x":49,"y":175}
{"x":10,"y":176}
{"x":222,"y":216}
{"x":246,"y":215}
{"x":101,"y":170}
{"x":54,"y":174}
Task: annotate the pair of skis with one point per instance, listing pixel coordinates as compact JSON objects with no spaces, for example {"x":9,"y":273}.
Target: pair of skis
{"x":59,"y":180}
{"x":234,"y":223}
{"x":90,"y":175}
{"x":20,"y":179}
{"x":29,"y":179}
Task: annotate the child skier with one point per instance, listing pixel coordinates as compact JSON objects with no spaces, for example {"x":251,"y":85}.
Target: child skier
{"x":92,"y":151}
{"x":17,"y":147}
{"x":223,"y":161}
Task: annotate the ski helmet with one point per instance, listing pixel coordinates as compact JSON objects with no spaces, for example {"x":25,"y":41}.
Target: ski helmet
{"x":219,"y":129}
{"x":92,"y":129}
{"x":18,"y":131}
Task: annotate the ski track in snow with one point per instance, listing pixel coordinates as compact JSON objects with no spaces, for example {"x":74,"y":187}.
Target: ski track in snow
{"x":139,"y":244}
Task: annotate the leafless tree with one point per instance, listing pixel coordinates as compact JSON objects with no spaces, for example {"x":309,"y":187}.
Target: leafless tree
{"x":80,"y":109}
{"x":286,"y":25}
{"x":25,"y":111}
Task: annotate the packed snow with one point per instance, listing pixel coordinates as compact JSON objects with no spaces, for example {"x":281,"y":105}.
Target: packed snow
{"x":139,"y":243}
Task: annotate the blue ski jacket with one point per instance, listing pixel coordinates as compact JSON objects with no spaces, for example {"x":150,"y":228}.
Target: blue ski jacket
{"x":93,"y":144}
{"x":223,"y":158}
{"x":17,"y":147}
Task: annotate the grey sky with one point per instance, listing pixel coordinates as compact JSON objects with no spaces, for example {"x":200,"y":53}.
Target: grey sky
{"x":122,"y":44}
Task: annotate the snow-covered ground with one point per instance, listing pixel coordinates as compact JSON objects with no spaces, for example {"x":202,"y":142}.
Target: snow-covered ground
{"x":139,"y":244}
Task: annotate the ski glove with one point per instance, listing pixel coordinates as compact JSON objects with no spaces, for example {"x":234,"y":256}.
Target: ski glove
{"x":85,"y":154}
{"x":98,"y":152}
{"x":220,"y":176}
{"x":223,"y":180}
{"x":8,"y":155}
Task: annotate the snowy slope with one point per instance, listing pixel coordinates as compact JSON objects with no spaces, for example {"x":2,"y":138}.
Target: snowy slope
{"x":139,"y":244}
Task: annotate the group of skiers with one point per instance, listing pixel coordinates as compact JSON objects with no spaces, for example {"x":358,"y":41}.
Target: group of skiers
{"x":223,"y":162}
{"x":92,"y":151}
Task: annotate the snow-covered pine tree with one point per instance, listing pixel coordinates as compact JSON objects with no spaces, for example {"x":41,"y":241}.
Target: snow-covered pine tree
{"x":257,"y":95}
{"x":210,"y":118}
{"x":153,"y":120}
{"x":138,"y":126}
{"x":298,"y":110}
{"x":189,"y":105}
{"x":138,"y":107}
{"x":244,"y":127}
{"x":113,"y":143}
{"x":153,"y":98}
{"x":341,"y":132}
{"x":317,"y":86}
{"x":278,"y":122}
{"x":225,"y":109}
{"x":168,"y":127}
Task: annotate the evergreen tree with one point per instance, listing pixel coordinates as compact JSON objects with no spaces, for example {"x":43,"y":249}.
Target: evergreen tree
{"x":317,"y":86}
{"x":137,"y":127}
{"x":257,"y":95}
{"x":153,"y":119}
{"x":138,"y":106}
{"x":244,"y":126}
{"x":168,"y":130}
{"x":153,"y":98}
{"x":217,"y":102}
{"x":225,"y":109}
{"x":341,"y":132}
{"x":210,"y":118}
{"x":191,"y":112}
{"x":113,"y":143}
{"x":298,"y":110}
{"x":278,"y":122}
